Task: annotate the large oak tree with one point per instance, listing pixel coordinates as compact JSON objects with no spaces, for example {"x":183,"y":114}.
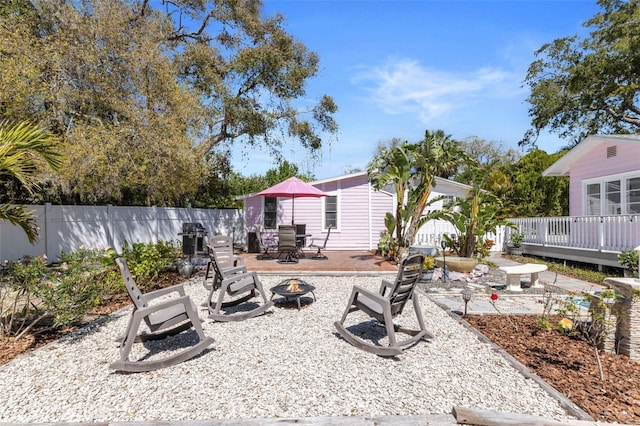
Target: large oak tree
{"x":581,"y":86}
{"x":142,"y":96}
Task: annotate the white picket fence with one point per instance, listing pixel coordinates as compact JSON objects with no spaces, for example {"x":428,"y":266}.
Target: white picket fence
{"x":430,"y":234}
{"x":67,"y":228}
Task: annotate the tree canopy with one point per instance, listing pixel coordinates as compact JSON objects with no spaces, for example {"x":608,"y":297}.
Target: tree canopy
{"x":142,"y":97}
{"x":581,"y":86}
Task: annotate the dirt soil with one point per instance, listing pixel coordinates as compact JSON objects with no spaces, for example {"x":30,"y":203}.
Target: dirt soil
{"x":567,"y":364}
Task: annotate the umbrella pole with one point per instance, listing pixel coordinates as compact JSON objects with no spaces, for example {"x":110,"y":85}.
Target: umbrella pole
{"x":293,"y":203}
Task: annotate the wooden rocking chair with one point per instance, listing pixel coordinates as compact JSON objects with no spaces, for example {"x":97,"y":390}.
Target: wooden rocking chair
{"x":384,"y":306}
{"x":163,"y":319}
{"x":234,"y":282}
{"x":222,"y":245}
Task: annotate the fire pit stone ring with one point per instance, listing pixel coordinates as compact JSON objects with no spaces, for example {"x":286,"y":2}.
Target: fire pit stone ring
{"x":293,"y":288}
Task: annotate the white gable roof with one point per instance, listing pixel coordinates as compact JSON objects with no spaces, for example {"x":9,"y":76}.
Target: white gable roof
{"x":562,"y":166}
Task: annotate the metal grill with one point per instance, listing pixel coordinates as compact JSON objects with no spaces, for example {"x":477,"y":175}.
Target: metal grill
{"x":193,"y":239}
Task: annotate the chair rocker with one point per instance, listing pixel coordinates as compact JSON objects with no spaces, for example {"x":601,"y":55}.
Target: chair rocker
{"x":239,"y":285}
{"x":163,"y":319}
{"x":386,"y":305}
{"x":222,"y":245}
{"x":320,"y":246}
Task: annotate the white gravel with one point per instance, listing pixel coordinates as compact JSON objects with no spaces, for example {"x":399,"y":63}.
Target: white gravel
{"x":287,"y":363}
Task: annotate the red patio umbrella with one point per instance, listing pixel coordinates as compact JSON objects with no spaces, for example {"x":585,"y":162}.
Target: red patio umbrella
{"x":292,"y":187}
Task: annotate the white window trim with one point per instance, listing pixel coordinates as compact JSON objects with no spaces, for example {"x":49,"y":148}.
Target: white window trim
{"x":338,"y":208}
{"x":602,"y":180}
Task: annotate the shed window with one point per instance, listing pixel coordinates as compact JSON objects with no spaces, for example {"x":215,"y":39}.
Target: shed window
{"x":270,"y":212}
{"x":331,"y":211}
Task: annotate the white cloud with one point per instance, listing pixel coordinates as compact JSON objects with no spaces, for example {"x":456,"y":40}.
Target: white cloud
{"x":405,"y":86}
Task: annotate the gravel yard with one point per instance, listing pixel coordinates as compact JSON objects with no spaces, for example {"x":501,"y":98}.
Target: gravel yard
{"x":287,"y":363}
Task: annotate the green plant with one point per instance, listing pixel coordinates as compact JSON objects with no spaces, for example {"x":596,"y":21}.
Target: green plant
{"x":33,"y":292}
{"x":429,"y":263}
{"x":473,"y":218}
{"x":628,"y":259}
{"x":147,"y":260}
{"x":516,"y":239}
{"x":18,"y":285}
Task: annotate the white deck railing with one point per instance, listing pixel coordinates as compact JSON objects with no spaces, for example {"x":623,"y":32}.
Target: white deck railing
{"x":430,"y":234}
{"x":601,"y":233}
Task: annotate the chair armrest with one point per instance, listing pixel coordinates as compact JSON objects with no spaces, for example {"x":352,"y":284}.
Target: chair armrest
{"x":370,"y":294}
{"x":178,"y":288}
{"x":235,"y":270}
{"x":182,"y":300}
{"x":384,"y":286}
{"x":238,"y":277}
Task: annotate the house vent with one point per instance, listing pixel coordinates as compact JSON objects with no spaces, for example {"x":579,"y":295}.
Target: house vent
{"x":612,"y":151}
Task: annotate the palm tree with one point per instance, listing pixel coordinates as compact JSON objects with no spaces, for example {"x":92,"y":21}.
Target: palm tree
{"x":412,"y":169}
{"x":437,"y":155}
{"x":394,"y":166}
{"x":24,"y":150}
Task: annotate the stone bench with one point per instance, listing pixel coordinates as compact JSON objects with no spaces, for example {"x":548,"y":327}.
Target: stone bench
{"x":514,"y":272}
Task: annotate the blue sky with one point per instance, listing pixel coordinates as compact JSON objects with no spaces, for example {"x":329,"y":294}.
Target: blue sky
{"x":398,"y":68}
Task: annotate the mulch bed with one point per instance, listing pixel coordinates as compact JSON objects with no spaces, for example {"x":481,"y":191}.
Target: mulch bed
{"x":569,"y":365}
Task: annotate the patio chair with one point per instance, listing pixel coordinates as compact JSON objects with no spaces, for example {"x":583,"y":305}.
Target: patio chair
{"x":223,"y":246}
{"x":265,"y":244}
{"x":384,"y":306}
{"x":321,"y":244}
{"x":238,"y":285}
{"x":287,"y":244}
{"x":164,"y":319}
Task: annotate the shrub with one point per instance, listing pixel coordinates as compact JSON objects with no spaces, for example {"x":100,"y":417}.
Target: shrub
{"x":429,"y":263}
{"x":628,"y":259}
{"x":147,"y":260}
{"x":34,"y":292}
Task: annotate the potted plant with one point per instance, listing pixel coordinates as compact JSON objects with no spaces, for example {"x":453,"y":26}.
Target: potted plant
{"x":427,"y":269}
{"x":515,"y":243}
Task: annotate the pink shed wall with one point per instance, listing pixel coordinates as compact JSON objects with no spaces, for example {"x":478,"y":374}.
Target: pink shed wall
{"x":361,"y":212}
{"x":596,"y":164}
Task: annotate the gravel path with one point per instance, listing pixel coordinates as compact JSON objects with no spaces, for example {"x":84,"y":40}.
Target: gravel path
{"x":288,"y":363}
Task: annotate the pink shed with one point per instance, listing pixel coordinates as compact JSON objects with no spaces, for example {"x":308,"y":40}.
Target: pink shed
{"x":357,"y":210}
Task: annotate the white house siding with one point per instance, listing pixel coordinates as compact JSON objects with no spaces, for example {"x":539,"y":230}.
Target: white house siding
{"x":596,"y":164}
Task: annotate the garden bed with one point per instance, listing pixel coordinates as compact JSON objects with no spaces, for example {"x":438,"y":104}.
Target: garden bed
{"x":569,"y":365}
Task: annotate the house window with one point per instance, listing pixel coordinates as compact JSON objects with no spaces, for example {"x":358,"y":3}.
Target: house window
{"x":331,"y":211}
{"x":593,"y":199}
{"x":270,"y":212}
{"x":633,"y":195}
{"x":612,"y":197}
